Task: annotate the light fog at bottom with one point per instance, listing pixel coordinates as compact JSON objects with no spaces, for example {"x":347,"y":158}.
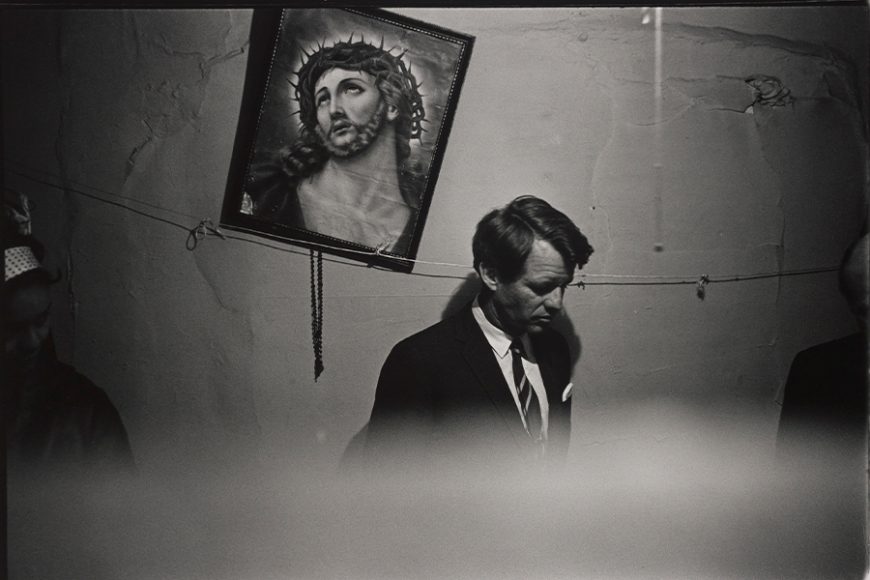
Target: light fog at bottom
{"x":707,"y":513}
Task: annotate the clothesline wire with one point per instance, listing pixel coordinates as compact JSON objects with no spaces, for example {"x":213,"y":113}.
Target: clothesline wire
{"x":107,"y":201}
{"x":90,"y":187}
{"x":587,"y":279}
{"x":709,"y":279}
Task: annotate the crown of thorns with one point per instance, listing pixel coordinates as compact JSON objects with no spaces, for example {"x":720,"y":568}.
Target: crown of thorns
{"x":392,"y":75}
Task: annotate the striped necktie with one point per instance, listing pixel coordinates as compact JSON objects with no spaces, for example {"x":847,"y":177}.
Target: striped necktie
{"x":528,"y":400}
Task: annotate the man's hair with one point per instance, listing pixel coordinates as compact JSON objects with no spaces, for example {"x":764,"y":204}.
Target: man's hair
{"x":504,"y":237}
{"x":393,"y":79}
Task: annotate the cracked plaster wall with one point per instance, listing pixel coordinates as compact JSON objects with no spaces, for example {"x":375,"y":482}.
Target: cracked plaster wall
{"x":207,"y":353}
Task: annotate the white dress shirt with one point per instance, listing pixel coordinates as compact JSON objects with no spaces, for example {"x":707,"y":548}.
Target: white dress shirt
{"x":500,"y":342}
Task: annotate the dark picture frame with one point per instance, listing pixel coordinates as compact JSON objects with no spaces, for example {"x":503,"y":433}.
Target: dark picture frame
{"x":344,"y":122}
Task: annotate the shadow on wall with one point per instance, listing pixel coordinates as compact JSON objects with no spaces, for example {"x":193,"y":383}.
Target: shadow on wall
{"x":464,"y":293}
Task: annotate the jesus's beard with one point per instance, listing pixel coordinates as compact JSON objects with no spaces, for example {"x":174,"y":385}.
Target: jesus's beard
{"x":365,"y":134}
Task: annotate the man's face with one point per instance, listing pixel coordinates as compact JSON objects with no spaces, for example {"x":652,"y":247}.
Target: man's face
{"x":529,"y":303}
{"x":350,"y":110}
{"x":26,"y":326}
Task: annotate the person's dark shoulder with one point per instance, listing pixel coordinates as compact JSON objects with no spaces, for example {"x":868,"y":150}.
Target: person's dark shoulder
{"x":75,"y":391}
{"x":830,"y":374}
{"x":851,"y":349}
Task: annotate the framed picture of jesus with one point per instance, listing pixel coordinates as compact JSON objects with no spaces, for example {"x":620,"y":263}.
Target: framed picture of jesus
{"x":353,"y":111}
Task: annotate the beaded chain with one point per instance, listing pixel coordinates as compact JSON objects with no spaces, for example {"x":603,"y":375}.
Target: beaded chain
{"x":317,"y":311}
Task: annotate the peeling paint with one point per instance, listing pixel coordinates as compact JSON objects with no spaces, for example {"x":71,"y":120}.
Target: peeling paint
{"x":769,"y":91}
{"x":718,"y":93}
{"x":131,"y":159}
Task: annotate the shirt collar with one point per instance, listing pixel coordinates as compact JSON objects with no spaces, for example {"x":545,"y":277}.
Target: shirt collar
{"x":498,"y":339}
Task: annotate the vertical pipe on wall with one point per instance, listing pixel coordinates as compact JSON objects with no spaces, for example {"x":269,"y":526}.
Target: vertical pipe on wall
{"x":658,"y":243}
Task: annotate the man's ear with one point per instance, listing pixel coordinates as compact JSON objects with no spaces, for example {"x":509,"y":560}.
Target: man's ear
{"x":392,"y":112}
{"x":489,"y":276}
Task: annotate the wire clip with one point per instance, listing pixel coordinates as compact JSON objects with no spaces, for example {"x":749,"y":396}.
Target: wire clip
{"x":205,"y":228}
{"x":701,"y":287}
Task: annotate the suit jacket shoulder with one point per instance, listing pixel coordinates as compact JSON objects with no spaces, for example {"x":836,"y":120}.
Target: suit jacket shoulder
{"x":824,"y":410}
{"x":442,"y":387}
{"x":831,"y":373}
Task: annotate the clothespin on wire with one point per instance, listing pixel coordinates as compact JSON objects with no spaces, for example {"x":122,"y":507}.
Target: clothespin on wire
{"x":701,"y":287}
{"x":205,"y":228}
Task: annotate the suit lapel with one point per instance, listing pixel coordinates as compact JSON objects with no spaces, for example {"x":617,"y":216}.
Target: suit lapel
{"x":479,"y":356}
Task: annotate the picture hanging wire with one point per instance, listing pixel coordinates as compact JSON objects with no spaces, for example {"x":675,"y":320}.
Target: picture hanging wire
{"x":205,"y":228}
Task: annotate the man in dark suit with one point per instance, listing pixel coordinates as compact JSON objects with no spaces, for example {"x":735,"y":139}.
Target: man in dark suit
{"x":491,"y":383}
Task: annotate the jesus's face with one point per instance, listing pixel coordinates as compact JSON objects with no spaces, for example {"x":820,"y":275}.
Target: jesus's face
{"x":350,"y":110}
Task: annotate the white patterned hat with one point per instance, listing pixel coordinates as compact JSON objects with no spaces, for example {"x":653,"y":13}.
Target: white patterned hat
{"x":19,"y":260}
